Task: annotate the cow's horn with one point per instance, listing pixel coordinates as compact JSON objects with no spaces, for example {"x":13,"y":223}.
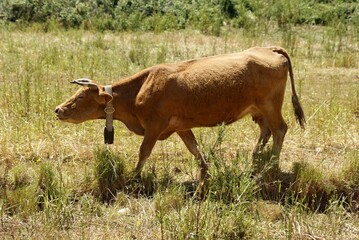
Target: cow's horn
{"x":84,"y":82}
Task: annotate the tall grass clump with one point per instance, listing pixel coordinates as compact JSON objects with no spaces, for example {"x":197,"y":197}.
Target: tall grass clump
{"x":312,"y":187}
{"x":39,"y":192}
{"x":110,"y":173}
{"x":229,"y":183}
{"x":139,"y":53}
{"x":206,"y":220}
{"x":18,"y":191}
{"x":49,"y":186}
{"x":181,"y":217}
{"x":350,"y":172}
{"x":24,"y":194}
{"x":53,"y":199}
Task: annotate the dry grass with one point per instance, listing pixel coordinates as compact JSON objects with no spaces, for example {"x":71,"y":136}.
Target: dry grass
{"x":35,"y":69}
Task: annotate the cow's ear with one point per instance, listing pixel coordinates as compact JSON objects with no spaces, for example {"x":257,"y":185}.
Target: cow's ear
{"x":104,"y":97}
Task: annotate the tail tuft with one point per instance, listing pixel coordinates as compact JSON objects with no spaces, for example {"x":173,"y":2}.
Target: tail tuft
{"x":298,"y":111}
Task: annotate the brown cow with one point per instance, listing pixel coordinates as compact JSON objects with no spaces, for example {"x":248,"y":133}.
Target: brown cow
{"x":205,"y":92}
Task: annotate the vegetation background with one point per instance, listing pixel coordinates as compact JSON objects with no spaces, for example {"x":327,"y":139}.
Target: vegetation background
{"x":59,"y":181}
{"x":160,"y":15}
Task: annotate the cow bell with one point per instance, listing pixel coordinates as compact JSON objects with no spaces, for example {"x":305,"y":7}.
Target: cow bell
{"x":109,"y":135}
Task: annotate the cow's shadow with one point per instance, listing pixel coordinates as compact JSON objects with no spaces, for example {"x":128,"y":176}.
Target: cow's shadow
{"x":269,"y":181}
{"x":304,"y":185}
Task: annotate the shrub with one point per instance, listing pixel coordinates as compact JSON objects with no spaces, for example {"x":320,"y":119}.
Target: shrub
{"x":207,"y":16}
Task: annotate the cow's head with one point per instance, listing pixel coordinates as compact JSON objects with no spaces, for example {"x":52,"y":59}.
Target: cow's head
{"x":87,"y":103}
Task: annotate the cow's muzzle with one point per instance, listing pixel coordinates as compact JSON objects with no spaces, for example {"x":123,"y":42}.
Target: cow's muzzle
{"x":60,"y":113}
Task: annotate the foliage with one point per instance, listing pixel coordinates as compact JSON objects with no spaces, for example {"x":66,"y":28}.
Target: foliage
{"x":207,"y":16}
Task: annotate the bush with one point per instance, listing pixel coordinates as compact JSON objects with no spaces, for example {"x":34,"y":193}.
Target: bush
{"x":207,"y":16}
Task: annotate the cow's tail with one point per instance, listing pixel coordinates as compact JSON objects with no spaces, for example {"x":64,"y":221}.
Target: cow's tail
{"x":298,"y":111}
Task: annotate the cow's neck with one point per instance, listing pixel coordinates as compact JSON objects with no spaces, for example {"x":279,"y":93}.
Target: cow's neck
{"x":124,"y":96}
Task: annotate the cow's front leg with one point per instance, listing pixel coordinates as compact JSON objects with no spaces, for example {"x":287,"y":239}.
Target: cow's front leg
{"x":147,"y":145}
{"x":153,"y":128}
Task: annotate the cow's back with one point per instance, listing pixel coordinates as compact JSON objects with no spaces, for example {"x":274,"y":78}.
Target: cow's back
{"x":232,"y":70}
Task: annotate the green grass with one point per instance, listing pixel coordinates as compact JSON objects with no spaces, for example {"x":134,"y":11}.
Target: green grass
{"x":57,"y":180}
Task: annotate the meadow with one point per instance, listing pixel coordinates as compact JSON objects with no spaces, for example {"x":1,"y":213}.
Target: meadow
{"x":60,"y":181}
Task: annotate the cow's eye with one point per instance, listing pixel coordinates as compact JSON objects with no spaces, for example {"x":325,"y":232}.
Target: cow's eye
{"x":80,"y":97}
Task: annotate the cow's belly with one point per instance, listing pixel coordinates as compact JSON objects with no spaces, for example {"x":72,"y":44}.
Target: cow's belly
{"x":207,"y":119}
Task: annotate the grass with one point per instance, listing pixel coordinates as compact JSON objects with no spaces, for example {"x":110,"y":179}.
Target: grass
{"x":58,"y":181}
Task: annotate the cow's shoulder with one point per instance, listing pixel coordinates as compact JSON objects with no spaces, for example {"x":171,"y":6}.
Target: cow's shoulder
{"x":154,"y":83}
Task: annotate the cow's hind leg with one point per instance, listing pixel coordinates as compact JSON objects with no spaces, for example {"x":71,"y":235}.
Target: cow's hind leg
{"x":279,"y":130}
{"x":264,"y":136}
{"x":259,"y":157}
{"x":278,"y":127}
{"x":190,"y":141}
